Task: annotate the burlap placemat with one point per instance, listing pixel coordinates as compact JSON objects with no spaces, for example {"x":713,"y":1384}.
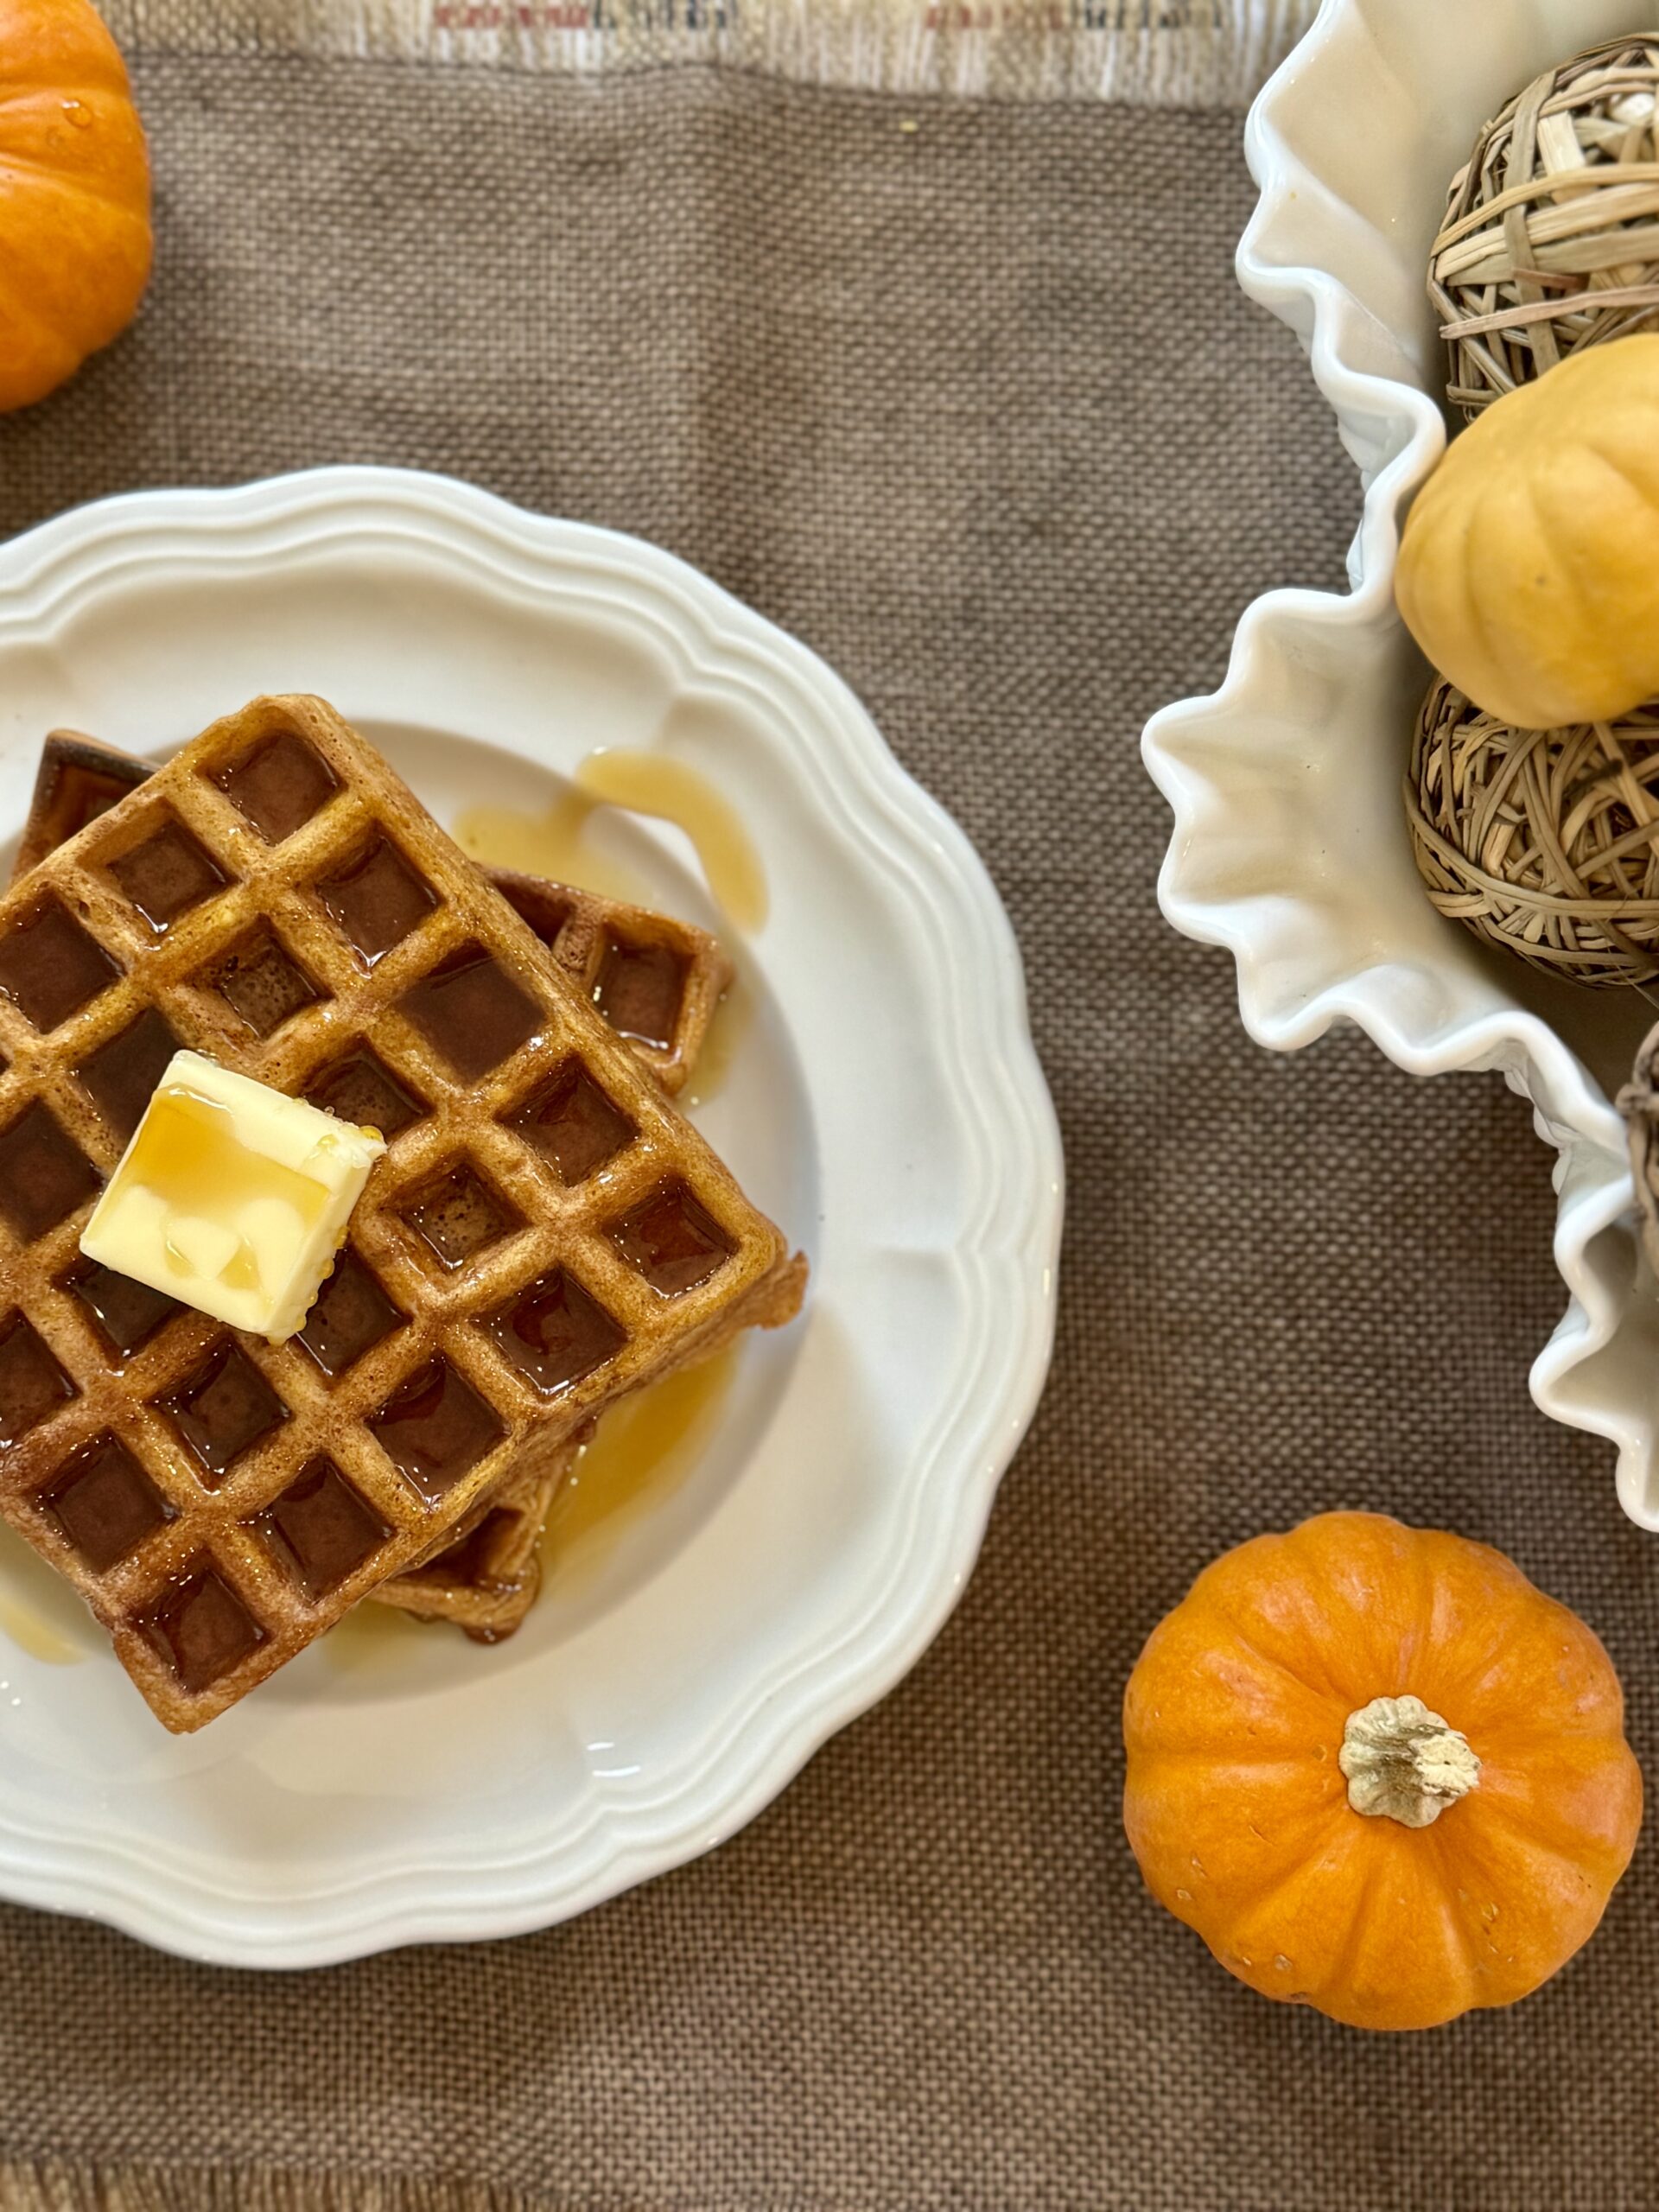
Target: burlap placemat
{"x":960,"y":390}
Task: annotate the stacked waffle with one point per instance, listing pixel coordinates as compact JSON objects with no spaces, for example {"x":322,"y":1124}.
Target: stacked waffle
{"x":545,"y":1233}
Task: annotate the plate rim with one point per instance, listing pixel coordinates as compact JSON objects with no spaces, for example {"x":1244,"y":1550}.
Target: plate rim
{"x":44,"y":573}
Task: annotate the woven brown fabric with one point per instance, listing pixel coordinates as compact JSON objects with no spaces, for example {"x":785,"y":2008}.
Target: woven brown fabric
{"x":974,"y":409}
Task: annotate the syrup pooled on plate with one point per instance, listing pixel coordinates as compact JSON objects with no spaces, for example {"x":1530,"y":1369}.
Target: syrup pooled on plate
{"x":557,"y":844}
{"x":40,"y":1615}
{"x":644,"y":1449}
{"x":638,"y":987}
{"x":671,"y":790}
{"x":33,"y":1633}
{"x":727,"y":1032}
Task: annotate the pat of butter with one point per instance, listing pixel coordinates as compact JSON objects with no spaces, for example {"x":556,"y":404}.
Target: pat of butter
{"x":232,"y":1198}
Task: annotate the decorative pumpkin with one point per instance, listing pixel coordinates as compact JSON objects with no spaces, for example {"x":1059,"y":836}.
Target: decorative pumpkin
{"x":1529,"y":570}
{"x":1379,"y":1772}
{"x":74,"y":195}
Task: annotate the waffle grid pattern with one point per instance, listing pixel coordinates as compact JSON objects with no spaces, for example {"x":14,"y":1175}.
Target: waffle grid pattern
{"x":486,"y":1580}
{"x":80,"y":776}
{"x":269,"y":895}
{"x":584,"y":929}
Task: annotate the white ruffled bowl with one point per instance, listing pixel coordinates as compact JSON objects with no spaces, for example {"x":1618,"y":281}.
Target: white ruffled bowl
{"x":1290,"y":845}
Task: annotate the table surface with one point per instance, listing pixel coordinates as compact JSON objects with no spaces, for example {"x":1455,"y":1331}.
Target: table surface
{"x":962,"y":391}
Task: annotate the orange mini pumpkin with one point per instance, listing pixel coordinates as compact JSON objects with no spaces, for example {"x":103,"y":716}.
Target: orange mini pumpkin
{"x":1379,"y":1772}
{"x":74,"y":195}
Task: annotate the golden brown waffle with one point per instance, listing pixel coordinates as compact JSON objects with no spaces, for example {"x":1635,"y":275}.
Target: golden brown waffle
{"x":79,"y":778}
{"x":545,"y":1232}
{"x":657,"y":982}
{"x":486,"y":1581}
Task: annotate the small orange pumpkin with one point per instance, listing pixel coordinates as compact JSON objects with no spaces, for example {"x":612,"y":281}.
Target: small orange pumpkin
{"x":74,"y":195}
{"x":1379,"y":1772}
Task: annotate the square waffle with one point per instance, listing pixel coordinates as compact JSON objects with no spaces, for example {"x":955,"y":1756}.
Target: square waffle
{"x":543,"y":1234}
{"x":673,"y":976}
{"x":486,"y":1582}
{"x":656,"y":981}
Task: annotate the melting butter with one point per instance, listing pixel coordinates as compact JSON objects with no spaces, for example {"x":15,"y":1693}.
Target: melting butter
{"x":221,"y":1206}
{"x":232,"y":1198}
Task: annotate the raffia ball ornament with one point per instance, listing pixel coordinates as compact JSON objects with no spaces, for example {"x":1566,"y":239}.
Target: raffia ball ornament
{"x":1544,"y":841}
{"x":1551,"y":240}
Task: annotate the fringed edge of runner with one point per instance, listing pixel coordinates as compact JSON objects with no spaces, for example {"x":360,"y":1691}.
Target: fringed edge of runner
{"x":72,"y":2185}
{"x":1144,"y":53}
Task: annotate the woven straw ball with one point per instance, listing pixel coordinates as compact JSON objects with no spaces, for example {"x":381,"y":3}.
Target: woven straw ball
{"x":1551,"y":239}
{"x":1544,"y":841}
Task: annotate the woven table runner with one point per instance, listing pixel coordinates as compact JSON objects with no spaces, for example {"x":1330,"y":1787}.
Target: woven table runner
{"x":922,"y":338}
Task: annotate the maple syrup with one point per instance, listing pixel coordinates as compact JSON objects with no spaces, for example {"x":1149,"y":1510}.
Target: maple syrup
{"x":648,"y":1445}
{"x":38,"y":1613}
{"x":654,"y":783}
{"x":554,"y":844}
{"x":378,"y":1641}
{"x":557,"y":844}
{"x":734,"y":1018}
{"x":645,"y":1448}
{"x":103,"y":1502}
{"x":33,"y":1633}
{"x":124,"y":1074}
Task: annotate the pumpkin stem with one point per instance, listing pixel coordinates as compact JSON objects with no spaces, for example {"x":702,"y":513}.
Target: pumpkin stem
{"x":1403,"y":1760}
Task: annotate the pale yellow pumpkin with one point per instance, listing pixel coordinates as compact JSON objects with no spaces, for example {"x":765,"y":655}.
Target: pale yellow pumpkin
{"x":1529,"y":570}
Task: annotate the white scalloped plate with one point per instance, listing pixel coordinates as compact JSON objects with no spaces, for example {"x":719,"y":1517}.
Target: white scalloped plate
{"x":1290,"y":846}
{"x":885,"y":1104}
